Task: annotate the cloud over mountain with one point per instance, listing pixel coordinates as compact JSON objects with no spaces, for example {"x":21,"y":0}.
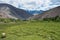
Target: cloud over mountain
{"x":33,"y":4}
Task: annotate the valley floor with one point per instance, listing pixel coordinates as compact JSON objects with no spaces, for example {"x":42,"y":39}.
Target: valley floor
{"x":30,"y":30}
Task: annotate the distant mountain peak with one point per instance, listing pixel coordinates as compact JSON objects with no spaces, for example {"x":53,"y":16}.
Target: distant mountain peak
{"x":35,"y":12}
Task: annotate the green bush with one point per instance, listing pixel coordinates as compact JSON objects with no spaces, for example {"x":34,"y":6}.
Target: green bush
{"x":6,"y":20}
{"x":55,"y":19}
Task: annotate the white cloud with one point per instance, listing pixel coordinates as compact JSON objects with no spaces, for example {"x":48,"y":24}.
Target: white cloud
{"x":35,"y":4}
{"x":32,"y":4}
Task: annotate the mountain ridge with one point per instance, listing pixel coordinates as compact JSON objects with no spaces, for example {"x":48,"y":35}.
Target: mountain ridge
{"x":13,"y":11}
{"x":48,"y":14}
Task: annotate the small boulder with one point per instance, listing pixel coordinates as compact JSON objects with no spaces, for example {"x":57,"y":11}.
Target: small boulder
{"x":3,"y":35}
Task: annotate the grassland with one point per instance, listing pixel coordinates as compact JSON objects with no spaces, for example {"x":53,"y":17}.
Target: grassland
{"x":31,"y":30}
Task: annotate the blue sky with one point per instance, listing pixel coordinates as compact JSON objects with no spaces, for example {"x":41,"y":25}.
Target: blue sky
{"x":33,"y":4}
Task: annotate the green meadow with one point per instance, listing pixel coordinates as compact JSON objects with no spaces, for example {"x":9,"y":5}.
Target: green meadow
{"x":31,"y":30}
